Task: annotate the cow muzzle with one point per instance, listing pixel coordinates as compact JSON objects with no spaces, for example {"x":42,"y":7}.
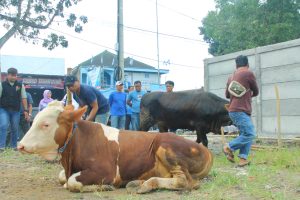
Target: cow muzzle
{"x":21,"y":148}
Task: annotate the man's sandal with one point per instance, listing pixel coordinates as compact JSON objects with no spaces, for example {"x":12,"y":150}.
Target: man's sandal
{"x":228,"y":153}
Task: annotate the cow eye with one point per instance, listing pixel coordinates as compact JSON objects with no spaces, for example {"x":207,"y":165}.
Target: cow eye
{"x":45,"y":125}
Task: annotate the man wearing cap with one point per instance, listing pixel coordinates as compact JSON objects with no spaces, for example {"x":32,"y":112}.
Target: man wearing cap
{"x":12,"y":93}
{"x":87,"y":95}
{"x":117,"y":103}
{"x":134,"y":101}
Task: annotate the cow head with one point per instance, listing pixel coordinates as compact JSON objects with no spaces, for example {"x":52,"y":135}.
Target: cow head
{"x":50,"y":129}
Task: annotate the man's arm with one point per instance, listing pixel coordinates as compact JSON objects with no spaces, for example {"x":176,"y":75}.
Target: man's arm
{"x":93,"y":112}
{"x":30,"y":109}
{"x":253,"y":85}
{"x":227,"y":94}
{"x":30,"y":102}
{"x":110,"y":99}
{"x":129,"y":100}
{"x":24,"y":102}
{"x":0,"y":89}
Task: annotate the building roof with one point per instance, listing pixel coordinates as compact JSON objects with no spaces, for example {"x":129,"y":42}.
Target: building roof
{"x":108,"y":59}
{"x":33,"y":65}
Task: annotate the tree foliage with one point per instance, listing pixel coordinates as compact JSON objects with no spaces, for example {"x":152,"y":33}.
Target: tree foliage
{"x":26,"y":18}
{"x":237,"y":25}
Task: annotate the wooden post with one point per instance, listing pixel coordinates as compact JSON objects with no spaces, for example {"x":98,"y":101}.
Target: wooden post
{"x":69,"y":97}
{"x":278,"y":116}
{"x":222,"y":133}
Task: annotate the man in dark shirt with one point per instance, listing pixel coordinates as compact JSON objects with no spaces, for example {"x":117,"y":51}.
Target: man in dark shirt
{"x":88,"y":95}
{"x":12,"y":94}
{"x":240,"y":111}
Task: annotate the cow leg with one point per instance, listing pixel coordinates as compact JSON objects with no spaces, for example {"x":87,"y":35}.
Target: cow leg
{"x":74,"y":185}
{"x":162,"y":127}
{"x":202,"y":138}
{"x":62,"y":177}
{"x":133,"y":186}
{"x":177,"y":182}
{"x":86,"y":181}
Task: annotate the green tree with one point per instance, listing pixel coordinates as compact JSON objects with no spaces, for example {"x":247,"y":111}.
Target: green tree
{"x":26,"y":18}
{"x":237,"y":25}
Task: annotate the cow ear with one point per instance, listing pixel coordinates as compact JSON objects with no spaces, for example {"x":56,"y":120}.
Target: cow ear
{"x":76,"y":115}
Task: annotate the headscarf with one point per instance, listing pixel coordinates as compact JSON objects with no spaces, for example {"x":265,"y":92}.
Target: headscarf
{"x":44,"y":102}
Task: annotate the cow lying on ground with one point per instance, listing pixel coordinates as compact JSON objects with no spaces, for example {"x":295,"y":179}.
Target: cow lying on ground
{"x":192,"y":109}
{"x":95,"y":154}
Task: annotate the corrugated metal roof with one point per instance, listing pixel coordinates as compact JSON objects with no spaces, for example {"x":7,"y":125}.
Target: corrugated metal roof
{"x":34,"y":65}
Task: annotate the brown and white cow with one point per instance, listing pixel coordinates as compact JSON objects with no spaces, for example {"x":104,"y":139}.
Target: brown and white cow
{"x":95,"y":154}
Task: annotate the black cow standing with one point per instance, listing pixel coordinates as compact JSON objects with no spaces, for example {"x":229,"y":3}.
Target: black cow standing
{"x":192,"y":109}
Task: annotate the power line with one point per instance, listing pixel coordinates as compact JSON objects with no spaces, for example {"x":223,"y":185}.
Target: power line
{"x":150,"y":31}
{"x":164,"y":34}
{"x":143,"y":57}
{"x":178,"y":12}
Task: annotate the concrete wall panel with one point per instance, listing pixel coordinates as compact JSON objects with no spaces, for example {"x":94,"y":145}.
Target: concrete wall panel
{"x":289,"y":125}
{"x":288,"y":107}
{"x":287,"y":90}
{"x":218,"y":82}
{"x":280,"y":57}
{"x":281,"y":74}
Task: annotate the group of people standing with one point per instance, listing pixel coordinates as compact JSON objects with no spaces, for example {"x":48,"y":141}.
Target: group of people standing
{"x":123,"y":106}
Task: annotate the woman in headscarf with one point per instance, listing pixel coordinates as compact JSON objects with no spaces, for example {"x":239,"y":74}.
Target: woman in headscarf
{"x":47,"y":99}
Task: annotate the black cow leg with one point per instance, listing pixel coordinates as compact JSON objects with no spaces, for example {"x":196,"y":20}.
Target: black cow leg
{"x":162,"y":127}
{"x":202,"y":138}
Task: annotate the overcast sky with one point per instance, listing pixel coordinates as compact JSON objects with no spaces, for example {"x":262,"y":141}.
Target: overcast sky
{"x":181,"y":45}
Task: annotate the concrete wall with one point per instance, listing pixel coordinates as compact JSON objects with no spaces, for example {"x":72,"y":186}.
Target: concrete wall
{"x":277,"y":64}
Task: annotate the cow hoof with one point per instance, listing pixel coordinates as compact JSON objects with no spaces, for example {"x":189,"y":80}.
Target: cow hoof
{"x":107,"y":188}
{"x":143,"y":189}
{"x":134,"y":186}
{"x":62,"y":177}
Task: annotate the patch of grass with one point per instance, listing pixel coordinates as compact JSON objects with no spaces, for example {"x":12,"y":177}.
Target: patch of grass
{"x":273,"y":174}
{"x":270,"y":176}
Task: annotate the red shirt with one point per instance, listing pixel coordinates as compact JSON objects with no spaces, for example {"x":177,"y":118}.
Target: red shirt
{"x":242,"y":104}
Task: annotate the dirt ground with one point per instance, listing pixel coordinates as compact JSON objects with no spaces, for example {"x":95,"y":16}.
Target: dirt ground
{"x":30,"y":177}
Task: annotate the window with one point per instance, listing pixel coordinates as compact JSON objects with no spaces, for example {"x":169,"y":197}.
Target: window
{"x":84,"y":78}
{"x":147,"y":75}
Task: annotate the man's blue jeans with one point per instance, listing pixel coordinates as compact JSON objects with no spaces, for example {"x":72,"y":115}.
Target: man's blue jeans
{"x":135,"y":121}
{"x":118,"y":121}
{"x":247,"y":133}
{"x":6,"y":118}
{"x":102,"y":118}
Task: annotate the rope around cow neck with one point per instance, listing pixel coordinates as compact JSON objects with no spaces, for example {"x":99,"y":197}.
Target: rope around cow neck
{"x":63,"y":148}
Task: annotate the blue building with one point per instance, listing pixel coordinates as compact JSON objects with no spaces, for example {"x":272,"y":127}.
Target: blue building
{"x":99,"y":71}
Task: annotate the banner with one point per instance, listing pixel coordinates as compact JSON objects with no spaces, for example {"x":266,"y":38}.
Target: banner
{"x":94,"y":77}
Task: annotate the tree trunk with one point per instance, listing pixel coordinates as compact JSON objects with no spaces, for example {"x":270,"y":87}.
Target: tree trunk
{"x":8,"y":35}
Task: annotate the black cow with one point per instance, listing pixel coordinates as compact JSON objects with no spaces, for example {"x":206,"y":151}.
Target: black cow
{"x":192,"y":109}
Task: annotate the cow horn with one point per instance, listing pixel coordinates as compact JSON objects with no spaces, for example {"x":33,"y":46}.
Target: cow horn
{"x":69,"y":97}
